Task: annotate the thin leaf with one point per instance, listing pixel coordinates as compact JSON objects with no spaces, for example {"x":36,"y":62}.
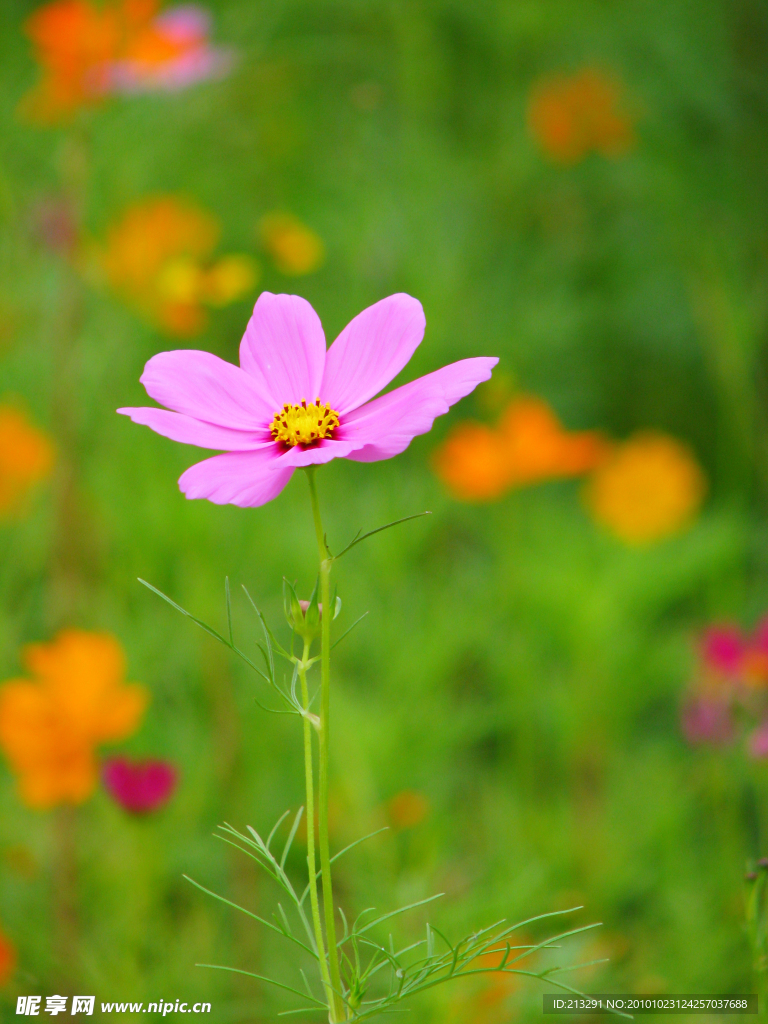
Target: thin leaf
{"x":272,"y":641}
{"x":291,"y":836}
{"x":229,"y":610}
{"x":208,"y":629}
{"x":301,"y":1009}
{"x":346,"y":850}
{"x":348,"y":631}
{"x":358,"y":539}
{"x":275,"y":827}
{"x":402,"y":910}
{"x":287,"y":935}
{"x":261,"y":977}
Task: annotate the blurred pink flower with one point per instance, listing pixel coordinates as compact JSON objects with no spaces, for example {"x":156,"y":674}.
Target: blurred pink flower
{"x":292,"y":404}
{"x":139,"y":786}
{"x":758,"y":741}
{"x":172,"y":53}
{"x":707,"y":719}
{"x":89,"y":50}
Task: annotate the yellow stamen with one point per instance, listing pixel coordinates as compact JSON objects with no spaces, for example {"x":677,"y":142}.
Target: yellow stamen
{"x":304,"y":424}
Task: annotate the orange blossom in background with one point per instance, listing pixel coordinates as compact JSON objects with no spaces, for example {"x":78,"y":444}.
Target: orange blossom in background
{"x":50,"y":725}
{"x":573,"y":115}
{"x":26,"y":458}
{"x":528,"y":446}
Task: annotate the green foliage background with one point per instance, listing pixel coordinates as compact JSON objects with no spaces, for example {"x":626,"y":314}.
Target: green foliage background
{"x":519,"y":667}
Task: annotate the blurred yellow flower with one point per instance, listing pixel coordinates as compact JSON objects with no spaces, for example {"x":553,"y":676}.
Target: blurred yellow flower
{"x":158,"y":256}
{"x":529,"y":445}
{"x":407,"y":809}
{"x":49,"y":727}
{"x":651,"y":487}
{"x":295,"y":248}
{"x":7,"y":959}
{"x":26,"y":457}
{"x":571,"y":116}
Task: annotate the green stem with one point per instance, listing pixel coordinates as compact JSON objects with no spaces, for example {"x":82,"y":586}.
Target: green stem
{"x":308,"y":772}
{"x":337,"y":1008}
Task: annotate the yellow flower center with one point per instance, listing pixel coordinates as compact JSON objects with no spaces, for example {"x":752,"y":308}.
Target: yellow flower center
{"x":304,"y":424}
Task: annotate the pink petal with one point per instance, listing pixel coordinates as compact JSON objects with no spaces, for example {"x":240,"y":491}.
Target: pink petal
{"x":207,"y":388}
{"x":371,"y":350}
{"x":283,"y":349}
{"x":247,"y":479}
{"x":323,"y":451}
{"x":386,"y":426}
{"x":188,"y":430}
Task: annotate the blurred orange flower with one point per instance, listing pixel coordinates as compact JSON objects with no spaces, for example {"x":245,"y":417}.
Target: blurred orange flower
{"x":529,"y":445}
{"x":87,"y":51}
{"x":159,"y":258}
{"x":49,"y":727}
{"x":487,"y":1003}
{"x":571,"y":116}
{"x":407,"y":809}
{"x":295,"y":248}
{"x":26,"y":457}
{"x":650,"y":487}
{"x":73,"y":43}
{"x":7,"y":959}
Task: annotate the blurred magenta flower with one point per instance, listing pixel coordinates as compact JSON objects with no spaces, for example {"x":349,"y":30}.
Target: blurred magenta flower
{"x":732,"y":677}
{"x":139,"y":786}
{"x":707,"y":719}
{"x":292,"y":404}
{"x":722,"y":648}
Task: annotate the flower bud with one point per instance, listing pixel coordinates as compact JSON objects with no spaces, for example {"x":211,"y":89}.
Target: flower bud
{"x":304,"y":617}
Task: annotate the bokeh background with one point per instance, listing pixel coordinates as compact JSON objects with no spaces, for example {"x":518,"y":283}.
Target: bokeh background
{"x":574,"y":186}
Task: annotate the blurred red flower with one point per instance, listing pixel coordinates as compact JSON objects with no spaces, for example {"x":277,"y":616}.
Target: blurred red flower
{"x":7,"y":959}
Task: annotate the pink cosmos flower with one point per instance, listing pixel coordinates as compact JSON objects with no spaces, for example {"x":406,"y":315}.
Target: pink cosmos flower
{"x":139,"y":786}
{"x":292,"y":404}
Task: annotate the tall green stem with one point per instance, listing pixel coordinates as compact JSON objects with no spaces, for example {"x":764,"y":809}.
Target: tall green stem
{"x":309,"y":777}
{"x":338,"y":1011}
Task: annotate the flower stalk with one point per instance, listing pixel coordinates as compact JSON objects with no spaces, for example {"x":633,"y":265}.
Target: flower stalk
{"x":336,"y":1005}
{"x":310,"y":787}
